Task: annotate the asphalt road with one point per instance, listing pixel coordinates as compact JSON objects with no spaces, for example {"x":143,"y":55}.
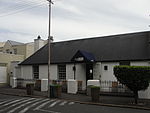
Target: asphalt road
{"x":15,"y":104}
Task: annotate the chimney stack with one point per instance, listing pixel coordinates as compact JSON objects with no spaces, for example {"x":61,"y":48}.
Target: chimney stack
{"x":38,"y":43}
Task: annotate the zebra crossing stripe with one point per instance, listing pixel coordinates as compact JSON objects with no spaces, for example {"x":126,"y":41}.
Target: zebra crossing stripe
{"x":42,"y":105}
{"x":23,"y":101}
{"x":54,"y":103}
{"x":27,"y":108}
{"x":63,"y":103}
{"x":6,"y":101}
{"x":12,"y":102}
{"x":11,"y":111}
{"x":71,"y":103}
{"x":16,"y":104}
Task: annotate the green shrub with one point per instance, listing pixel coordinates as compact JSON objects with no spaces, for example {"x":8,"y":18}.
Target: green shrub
{"x":134,"y":77}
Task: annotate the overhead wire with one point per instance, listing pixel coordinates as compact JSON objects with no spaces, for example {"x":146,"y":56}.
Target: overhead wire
{"x":22,"y":3}
{"x":18,"y":10}
{"x":22,"y":6}
{"x":18,"y":6}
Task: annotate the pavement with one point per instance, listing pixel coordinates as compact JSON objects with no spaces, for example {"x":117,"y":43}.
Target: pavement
{"x":113,"y":101}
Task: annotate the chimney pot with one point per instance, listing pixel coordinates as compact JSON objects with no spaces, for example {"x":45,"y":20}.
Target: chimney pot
{"x":39,"y":37}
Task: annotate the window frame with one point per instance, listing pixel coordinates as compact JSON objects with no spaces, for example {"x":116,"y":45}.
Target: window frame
{"x":35,"y":69}
{"x":15,"y":51}
{"x":7,"y":50}
{"x":106,"y":68}
{"x":61,"y":71}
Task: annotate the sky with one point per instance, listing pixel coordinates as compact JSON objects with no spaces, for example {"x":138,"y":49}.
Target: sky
{"x":24,"y":20}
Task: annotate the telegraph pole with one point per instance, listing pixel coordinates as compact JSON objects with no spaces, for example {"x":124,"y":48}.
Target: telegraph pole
{"x":49,"y":43}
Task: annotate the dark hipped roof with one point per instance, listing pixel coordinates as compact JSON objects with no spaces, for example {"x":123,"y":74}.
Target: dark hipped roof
{"x":132,"y":46}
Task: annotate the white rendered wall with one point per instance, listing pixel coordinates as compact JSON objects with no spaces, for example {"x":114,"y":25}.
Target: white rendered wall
{"x":43,"y":72}
{"x":81,"y":74}
{"x":14,"y":82}
{"x":145,"y":94}
{"x":38,"y":43}
{"x":12,"y":68}
{"x":93,"y":83}
{"x":44,"y":84}
{"x":26,"y":72}
{"x":107,"y":75}
{"x":3,"y":75}
{"x":140,"y":63}
{"x":15,"y":69}
{"x":72,"y":86}
{"x":17,"y":72}
{"x":97,"y":71}
{"x":69,"y":71}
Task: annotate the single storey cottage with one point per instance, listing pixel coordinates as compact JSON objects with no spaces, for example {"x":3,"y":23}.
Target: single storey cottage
{"x":89,"y":58}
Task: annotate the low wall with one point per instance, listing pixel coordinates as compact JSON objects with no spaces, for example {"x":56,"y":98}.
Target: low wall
{"x":145,"y":94}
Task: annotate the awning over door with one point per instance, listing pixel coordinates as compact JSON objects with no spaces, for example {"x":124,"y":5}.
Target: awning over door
{"x":83,"y":56}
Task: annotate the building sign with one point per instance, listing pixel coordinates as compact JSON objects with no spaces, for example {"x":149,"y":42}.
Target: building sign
{"x":79,"y":59}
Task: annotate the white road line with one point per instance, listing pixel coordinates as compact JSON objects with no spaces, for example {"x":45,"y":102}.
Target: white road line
{"x":12,"y":102}
{"x":42,"y":105}
{"x":12,"y":111}
{"x":2,"y":102}
{"x":27,"y":108}
{"x":30,"y":99}
{"x":63,"y":103}
{"x":54,"y":103}
{"x":71,"y":103}
{"x":16,"y":104}
{"x":48,"y":111}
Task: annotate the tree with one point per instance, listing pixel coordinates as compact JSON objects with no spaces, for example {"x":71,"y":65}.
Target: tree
{"x":136,"y":78}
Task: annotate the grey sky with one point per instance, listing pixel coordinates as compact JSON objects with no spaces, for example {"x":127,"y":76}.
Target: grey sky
{"x":72,"y":19}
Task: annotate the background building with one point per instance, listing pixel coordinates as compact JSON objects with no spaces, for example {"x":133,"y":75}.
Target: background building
{"x":12,"y":52}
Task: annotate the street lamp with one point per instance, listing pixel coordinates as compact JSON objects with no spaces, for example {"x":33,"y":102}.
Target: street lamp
{"x":49,"y":42}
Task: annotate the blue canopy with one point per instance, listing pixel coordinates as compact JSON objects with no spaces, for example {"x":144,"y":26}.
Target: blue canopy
{"x":83,"y":56}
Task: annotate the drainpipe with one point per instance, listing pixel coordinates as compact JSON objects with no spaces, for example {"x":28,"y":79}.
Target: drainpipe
{"x":100,"y":73}
{"x":74,"y":69}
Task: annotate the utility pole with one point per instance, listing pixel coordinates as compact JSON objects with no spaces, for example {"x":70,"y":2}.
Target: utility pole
{"x":49,"y":43}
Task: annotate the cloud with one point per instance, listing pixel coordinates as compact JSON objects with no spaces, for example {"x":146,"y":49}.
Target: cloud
{"x":16,"y":36}
{"x":72,"y":19}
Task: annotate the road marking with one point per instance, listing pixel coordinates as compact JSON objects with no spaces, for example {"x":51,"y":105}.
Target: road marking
{"x":16,"y":104}
{"x":11,"y":111}
{"x":54,"y":103}
{"x":42,"y":105}
{"x":27,"y":108}
{"x":63,"y":103}
{"x":71,"y":103}
{"x":2,"y":102}
{"x":12,"y":102}
{"x":30,"y":99}
{"x":48,"y":111}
